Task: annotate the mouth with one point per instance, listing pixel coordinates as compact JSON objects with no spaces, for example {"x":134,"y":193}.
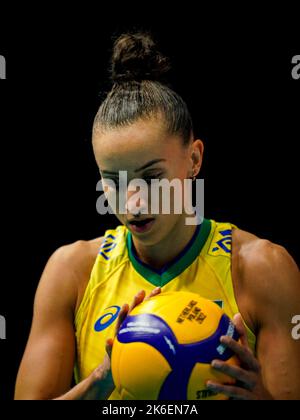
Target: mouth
{"x":141,"y":226}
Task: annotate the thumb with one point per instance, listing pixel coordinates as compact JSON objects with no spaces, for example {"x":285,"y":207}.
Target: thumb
{"x":240,"y":326}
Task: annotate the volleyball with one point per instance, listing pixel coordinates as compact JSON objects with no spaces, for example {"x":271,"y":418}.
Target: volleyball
{"x":164,"y":348}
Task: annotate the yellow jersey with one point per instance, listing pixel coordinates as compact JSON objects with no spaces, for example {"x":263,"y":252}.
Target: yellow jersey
{"x":203,"y":267}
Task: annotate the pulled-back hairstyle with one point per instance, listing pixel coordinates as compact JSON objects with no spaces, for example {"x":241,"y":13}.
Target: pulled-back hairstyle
{"x":138,"y":70}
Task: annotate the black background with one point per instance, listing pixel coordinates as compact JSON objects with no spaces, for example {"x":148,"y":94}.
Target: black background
{"x":233,"y":68}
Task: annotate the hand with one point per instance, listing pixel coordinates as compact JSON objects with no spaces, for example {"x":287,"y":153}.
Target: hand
{"x":101,"y":377}
{"x":249,"y":385}
{"x":99,"y":384}
{"x":139,"y":298}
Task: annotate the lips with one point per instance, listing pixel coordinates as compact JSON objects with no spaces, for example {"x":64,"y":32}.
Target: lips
{"x":140,"y":222}
{"x":141,"y":225}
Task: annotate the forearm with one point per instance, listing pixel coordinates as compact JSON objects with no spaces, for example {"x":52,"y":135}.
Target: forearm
{"x":97,"y":386}
{"x":78,"y":392}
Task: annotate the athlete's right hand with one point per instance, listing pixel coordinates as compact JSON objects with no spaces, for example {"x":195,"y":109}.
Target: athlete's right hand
{"x":102,"y":375}
{"x":99,"y":385}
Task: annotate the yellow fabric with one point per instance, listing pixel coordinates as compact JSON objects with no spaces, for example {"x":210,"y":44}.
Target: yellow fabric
{"x":114,"y":281}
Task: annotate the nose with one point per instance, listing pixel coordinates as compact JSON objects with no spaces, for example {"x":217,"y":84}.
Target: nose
{"x":137,"y":202}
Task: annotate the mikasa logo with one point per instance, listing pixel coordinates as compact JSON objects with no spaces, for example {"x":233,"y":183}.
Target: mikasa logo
{"x":230,"y":331}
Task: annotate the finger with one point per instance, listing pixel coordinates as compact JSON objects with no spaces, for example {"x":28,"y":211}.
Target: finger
{"x":240,"y":326}
{"x":122,"y":315}
{"x":139,"y":297}
{"x":108,"y":347}
{"x":154,"y":292}
{"x":244,"y":353}
{"x":230,"y":391}
{"x":235,"y":372}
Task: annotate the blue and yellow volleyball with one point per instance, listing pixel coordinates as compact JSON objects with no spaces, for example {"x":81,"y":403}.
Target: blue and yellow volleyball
{"x":165,"y":346}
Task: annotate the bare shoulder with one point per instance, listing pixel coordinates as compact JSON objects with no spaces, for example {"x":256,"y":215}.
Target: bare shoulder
{"x":77,"y":256}
{"x":254,"y":254}
{"x":264,"y":272}
{"x":68,"y":270}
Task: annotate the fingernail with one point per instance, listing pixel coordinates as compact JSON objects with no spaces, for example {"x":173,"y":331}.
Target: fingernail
{"x":210,"y":385}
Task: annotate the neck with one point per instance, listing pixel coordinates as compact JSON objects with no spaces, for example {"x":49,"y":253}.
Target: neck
{"x":158,"y":255}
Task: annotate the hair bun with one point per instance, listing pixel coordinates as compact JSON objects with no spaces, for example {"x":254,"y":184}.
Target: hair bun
{"x":135,"y":58}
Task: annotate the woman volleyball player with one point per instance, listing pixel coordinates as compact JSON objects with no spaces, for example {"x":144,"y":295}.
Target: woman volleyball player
{"x":144,"y":128}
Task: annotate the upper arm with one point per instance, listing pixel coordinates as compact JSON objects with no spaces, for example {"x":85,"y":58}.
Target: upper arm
{"x":276,"y":280}
{"x":47,"y":365}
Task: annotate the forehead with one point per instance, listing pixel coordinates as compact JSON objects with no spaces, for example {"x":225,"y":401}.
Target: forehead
{"x":133,"y":145}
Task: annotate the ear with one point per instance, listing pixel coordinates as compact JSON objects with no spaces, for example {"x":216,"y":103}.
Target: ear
{"x":197,"y":150}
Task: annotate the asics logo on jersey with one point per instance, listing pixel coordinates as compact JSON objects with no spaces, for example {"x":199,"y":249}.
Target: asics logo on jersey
{"x":107,"y":319}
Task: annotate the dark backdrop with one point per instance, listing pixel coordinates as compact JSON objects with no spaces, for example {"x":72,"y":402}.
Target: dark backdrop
{"x":233,"y":67}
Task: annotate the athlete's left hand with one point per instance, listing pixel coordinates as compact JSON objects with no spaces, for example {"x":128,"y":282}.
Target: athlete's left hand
{"x":125,"y":310}
{"x":249,"y":385}
{"x":137,"y":300}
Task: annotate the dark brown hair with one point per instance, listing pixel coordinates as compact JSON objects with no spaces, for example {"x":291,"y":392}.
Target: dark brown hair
{"x":138,"y":73}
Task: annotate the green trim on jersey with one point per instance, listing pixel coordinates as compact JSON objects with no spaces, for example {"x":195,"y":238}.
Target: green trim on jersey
{"x":184,"y":260}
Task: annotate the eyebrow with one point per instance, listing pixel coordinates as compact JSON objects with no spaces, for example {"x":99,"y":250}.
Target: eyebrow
{"x":147,"y":165}
{"x":152,"y":162}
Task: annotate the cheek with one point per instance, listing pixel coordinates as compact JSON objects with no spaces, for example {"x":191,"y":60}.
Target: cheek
{"x":111,"y":195}
{"x":183,"y":173}
{"x":179,"y":170}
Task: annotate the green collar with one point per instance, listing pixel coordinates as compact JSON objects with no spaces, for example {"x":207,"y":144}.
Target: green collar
{"x":178,"y":265}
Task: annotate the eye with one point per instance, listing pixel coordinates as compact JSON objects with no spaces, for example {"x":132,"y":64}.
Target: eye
{"x":148,"y":179}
